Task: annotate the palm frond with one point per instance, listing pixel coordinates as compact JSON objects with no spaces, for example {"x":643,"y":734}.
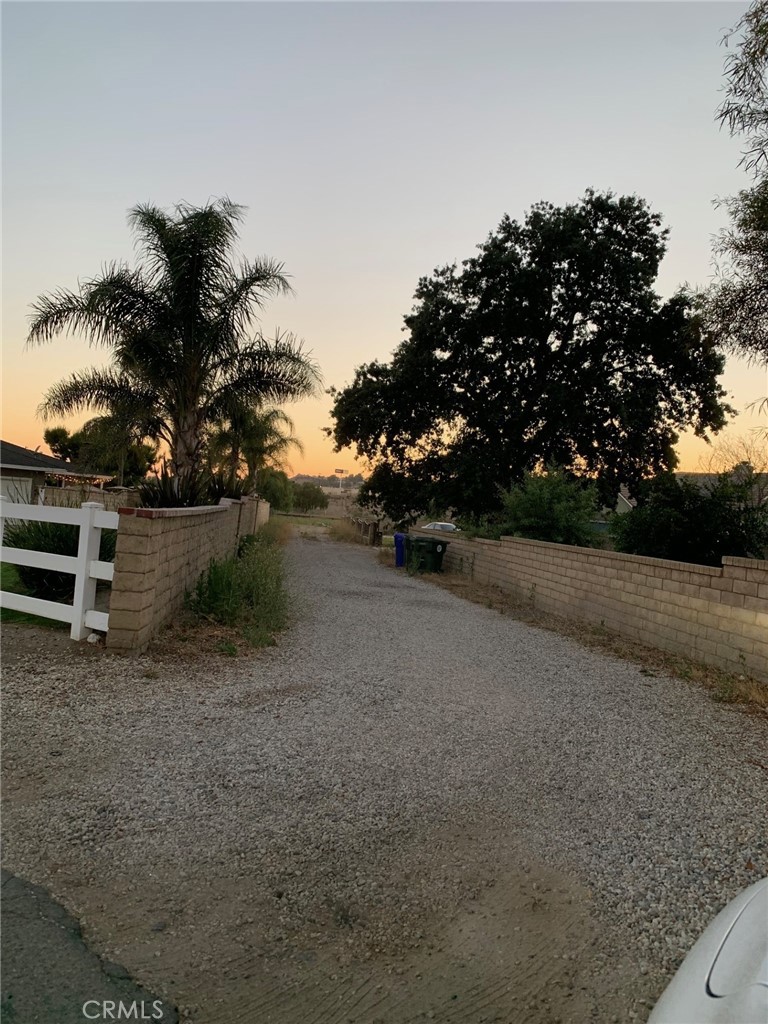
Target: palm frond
{"x":151,"y":227}
{"x":102,"y":390}
{"x":276,"y":418}
{"x":105,"y":310}
{"x":252,"y":436}
{"x":244,"y":297}
{"x":264,"y":371}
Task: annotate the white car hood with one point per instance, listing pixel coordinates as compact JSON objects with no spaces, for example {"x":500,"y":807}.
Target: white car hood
{"x":724,"y":978}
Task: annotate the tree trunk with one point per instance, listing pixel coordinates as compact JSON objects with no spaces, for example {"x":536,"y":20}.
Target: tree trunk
{"x":234,"y":462}
{"x":185,"y":455}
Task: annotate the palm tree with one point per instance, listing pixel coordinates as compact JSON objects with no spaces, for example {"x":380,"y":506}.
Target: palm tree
{"x":182,"y":330}
{"x":252,"y":439}
{"x":120,"y":441}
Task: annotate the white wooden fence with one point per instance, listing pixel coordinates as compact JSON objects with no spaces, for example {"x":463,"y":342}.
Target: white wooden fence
{"x":85,"y":566}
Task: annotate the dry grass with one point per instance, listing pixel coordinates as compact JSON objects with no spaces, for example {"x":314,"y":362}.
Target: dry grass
{"x":277,"y":530}
{"x":301,"y":519}
{"x":248,"y":589}
{"x":187,"y":640}
{"x":723,"y":686}
{"x":346,"y":532}
{"x":386,"y":556}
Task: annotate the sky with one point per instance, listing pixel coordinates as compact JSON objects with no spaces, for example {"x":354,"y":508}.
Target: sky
{"x":371,"y":143}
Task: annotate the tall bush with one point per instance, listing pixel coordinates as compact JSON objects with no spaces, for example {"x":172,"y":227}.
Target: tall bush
{"x":274,"y":486}
{"x":551,"y":506}
{"x":675,"y":519}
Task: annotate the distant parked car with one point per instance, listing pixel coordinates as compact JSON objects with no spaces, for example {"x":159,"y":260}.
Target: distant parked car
{"x":448,"y":527}
{"x":724,"y":978}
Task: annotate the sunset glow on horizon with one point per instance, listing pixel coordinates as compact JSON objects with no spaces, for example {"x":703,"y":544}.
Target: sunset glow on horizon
{"x":371,"y":143}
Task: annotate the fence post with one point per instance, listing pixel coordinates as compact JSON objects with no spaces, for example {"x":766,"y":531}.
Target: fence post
{"x":85,"y":586}
{"x":2,"y":519}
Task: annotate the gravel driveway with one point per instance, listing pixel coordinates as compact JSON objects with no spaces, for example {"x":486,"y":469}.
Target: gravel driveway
{"x":413,"y":808}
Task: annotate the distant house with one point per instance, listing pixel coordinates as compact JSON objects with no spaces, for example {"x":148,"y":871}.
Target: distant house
{"x":24,"y":472}
{"x":624,"y":503}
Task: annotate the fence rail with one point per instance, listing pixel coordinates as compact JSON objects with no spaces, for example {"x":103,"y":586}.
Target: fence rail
{"x":85,"y":566}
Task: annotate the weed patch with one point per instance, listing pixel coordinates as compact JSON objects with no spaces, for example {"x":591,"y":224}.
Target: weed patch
{"x":386,"y":556}
{"x":347,"y":532}
{"x":276,"y":531}
{"x":246,"y":593}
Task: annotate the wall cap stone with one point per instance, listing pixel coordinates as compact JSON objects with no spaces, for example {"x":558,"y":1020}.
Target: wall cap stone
{"x":171,"y":513}
{"x":618,"y":556}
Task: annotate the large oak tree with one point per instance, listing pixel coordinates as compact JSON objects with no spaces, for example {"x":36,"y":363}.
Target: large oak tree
{"x":549,"y":346}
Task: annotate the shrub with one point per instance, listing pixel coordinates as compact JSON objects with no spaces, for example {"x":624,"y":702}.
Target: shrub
{"x":247,"y":592}
{"x":675,"y":519}
{"x":57,"y":539}
{"x":486,"y":527}
{"x":223,"y":485}
{"x":165,"y":490}
{"x":307,"y":497}
{"x":551,"y":506}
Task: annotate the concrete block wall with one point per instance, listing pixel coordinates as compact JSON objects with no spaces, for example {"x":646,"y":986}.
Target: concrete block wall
{"x":715,"y":615}
{"x":73,"y":497}
{"x":161,"y":553}
{"x":261,"y":515}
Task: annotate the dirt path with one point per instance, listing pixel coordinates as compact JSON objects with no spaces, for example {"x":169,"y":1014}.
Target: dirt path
{"x":411,"y":809}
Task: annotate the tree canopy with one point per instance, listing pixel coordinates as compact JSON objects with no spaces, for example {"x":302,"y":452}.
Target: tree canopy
{"x":736,"y":305}
{"x":549,"y":346}
{"x":251,"y":439}
{"x":102,"y":445}
{"x":274,"y":486}
{"x":745,"y":108}
{"x":182,"y":328}
{"x":308,"y":497}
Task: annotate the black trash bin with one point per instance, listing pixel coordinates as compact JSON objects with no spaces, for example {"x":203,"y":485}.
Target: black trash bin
{"x":425,"y":554}
{"x":438,"y":553}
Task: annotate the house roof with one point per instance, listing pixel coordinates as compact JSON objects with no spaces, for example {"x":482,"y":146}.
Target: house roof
{"x":707,"y":481}
{"x":13,"y":456}
{"x":704,"y":481}
{"x":626,"y":497}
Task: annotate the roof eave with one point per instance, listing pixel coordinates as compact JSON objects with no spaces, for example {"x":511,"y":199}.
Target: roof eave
{"x":56,"y":472}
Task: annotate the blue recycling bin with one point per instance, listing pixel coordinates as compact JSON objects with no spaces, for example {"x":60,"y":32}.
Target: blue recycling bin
{"x":400,"y":550}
